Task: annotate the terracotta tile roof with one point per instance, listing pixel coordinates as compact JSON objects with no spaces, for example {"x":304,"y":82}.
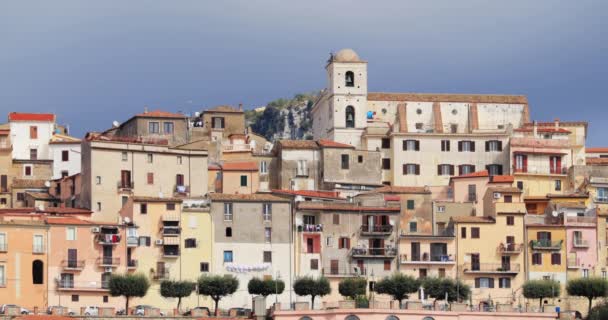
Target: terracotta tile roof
{"x":67,"y":221}
{"x":571,"y":204}
{"x":156,"y":199}
{"x":214,"y":166}
{"x":41,"y":196}
{"x":298,"y":144}
{"x":18,"y":116}
{"x":5,"y":132}
{"x":309,"y":193}
{"x":343,"y":207}
{"x":58,"y":210}
{"x":561,"y":123}
{"x":240,"y":166}
{"x":477,"y":174}
{"x":224,"y":109}
{"x":332,"y":144}
{"x":569,"y":195}
{"x":543,"y":130}
{"x":446,"y":97}
{"x":160,"y":114}
{"x":472,"y":219}
{"x":597,"y":150}
{"x":597,"y":161}
{"x":502,"y":179}
{"x":397,"y":189}
{"x":504,"y":189}
{"x":29,"y":183}
{"x":246,"y":197}
{"x":63,"y":139}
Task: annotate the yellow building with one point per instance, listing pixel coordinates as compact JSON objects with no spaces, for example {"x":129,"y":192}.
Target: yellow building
{"x":547,"y":250}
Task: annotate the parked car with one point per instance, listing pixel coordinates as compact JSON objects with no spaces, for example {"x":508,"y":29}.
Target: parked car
{"x":91,"y":311}
{"x":203,"y":309}
{"x":21,"y":309}
{"x":69,"y":312}
{"x":140,"y":310}
{"x":239,"y":312}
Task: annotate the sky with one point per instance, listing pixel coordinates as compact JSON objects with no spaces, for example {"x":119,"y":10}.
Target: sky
{"x":95,"y":62}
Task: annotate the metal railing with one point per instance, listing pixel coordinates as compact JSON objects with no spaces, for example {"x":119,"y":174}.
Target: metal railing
{"x":107,"y":238}
{"x":171,"y":230}
{"x":311,"y":228}
{"x":510,"y":248}
{"x":124,"y":185}
{"x":371,"y":252}
{"x":490,"y":268}
{"x":540,"y":170}
{"x":546,"y":244}
{"x":385,"y":228}
{"x":580,"y":243}
{"x":73,"y":264}
{"x":161,"y":275}
{"x":343,"y":271}
{"x":133,"y":263}
{"x":426,"y":257}
{"x":108,"y":261}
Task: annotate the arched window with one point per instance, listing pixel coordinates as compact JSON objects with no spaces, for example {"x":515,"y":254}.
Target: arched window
{"x":351,"y":317}
{"x":428,"y":318}
{"x":229,"y":232}
{"x":350,"y":117}
{"x":305,"y":318}
{"x":38,"y":272}
{"x":349,"y":78}
{"x":392,"y":317}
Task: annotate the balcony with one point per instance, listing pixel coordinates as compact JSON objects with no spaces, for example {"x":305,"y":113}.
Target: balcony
{"x":132,"y":264}
{"x":490,"y":268}
{"x":161,"y":275}
{"x":171,"y":253}
{"x":73,"y":265}
{"x":601,"y":199}
{"x":510,"y":248}
{"x":132,"y":241}
{"x":343,"y":271}
{"x":540,"y":170}
{"x":379,"y":230}
{"x":5,"y":146}
{"x":310,"y":228}
{"x":302,"y":172}
{"x":70,"y":285}
{"x":38,"y":249}
{"x":580,"y":243}
{"x":4,"y":247}
{"x":427,"y":259}
{"x":108,"y":262}
{"x":587,"y":220}
{"x":171,"y":217}
{"x":171,"y":231}
{"x":544,"y":244}
{"x":236,"y":147}
{"x":373,"y":253}
{"x":181,"y":190}
{"x":124,"y":186}
{"x":108,"y":239}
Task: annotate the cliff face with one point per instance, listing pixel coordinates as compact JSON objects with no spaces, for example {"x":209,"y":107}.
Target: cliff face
{"x":283,"y":118}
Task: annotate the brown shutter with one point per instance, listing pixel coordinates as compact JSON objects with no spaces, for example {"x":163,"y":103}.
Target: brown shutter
{"x":439,"y":170}
{"x":451,"y":170}
{"x":499,"y":145}
{"x":459,"y":146}
{"x":340,"y":243}
{"x":417,"y":145}
{"x":487,"y":146}
{"x":477,"y":283}
{"x":491,"y":282}
{"x":150,"y":178}
{"x":347,"y":243}
{"x":473,"y":146}
{"x":417,"y":169}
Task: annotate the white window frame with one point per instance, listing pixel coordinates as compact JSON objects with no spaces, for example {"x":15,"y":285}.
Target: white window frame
{"x":98,"y":180}
{"x":440,"y":209}
{"x":493,"y":145}
{"x":410,"y":145}
{"x":466,"y":145}
{"x":41,"y":248}
{"x":302,"y":168}
{"x":268,"y":235}
{"x":2,"y":275}
{"x":267,"y":211}
{"x":469,"y":168}
{"x":151,"y":125}
{"x":125,"y":156}
{"x":263,"y":167}
{"x":4,"y":242}
{"x":228,"y":211}
{"x":484,"y":283}
{"x":445,"y":169}
{"x":179,"y":160}
{"x":67,"y":233}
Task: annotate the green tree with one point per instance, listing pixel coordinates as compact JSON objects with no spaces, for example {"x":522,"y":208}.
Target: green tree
{"x":599,"y":312}
{"x":217,"y":287}
{"x":266,"y":287}
{"x":399,"y":286}
{"x":307,"y":286}
{"x":352,"y":287}
{"x":438,"y":287}
{"x":540,"y":289}
{"x":176,"y":289}
{"x":590,"y":288}
{"x":128,"y":285}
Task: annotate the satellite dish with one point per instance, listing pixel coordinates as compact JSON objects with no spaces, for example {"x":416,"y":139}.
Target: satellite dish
{"x":197,"y":114}
{"x":115,"y":123}
{"x":554,"y":213}
{"x":47,"y":184}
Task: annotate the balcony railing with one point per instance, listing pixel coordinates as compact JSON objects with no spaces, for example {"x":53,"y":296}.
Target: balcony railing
{"x":426,"y":258}
{"x":132,"y":241}
{"x":38,"y":249}
{"x":73,"y":264}
{"x":161,"y":275}
{"x":544,"y":244}
{"x":540,"y":170}
{"x":70,"y":285}
{"x":377,"y":229}
{"x":124,"y":185}
{"x":580,"y":243}
{"x":510,"y":248}
{"x":373,"y":252}
{"x":174,"y":253}
{"x":588,"y":219}
{"x":310,"y":228}
{"x":181,"y":189}
{"x":108,"y":238}
{"x":490,"y":268}
{"x":171,"y":217}
{"x":600,"y":199}
{"x":171,"y":231}
{"x":108,"y":261}
{"x":3,"y":247}
{"x":132,"y":264}
{"x":343,"y":271}
{"x":472,"y":197}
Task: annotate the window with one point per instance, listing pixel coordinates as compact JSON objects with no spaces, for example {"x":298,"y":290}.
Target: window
{"x":336,"y":218}
{"x":602,"y":195}
{"x":145,"y":241}
{"x":190,"y":243}
{"x":65,"y":155}
{"x":228,"y":232}
{"x":64,"y":173}
{"x":75,"y":298}
{"x":466,"y":169}
{"x":123,"y":200}
{"x":494,"y":169}
{"x":558,"y":185}
{"x":204,"y":266}
{"x":179,"y":180}
{"x":441,"y":209}
{"x":228,"y":256}
{"x":413,"y":226}
{"x":556,"y":258}
{"x":2,"y":276}
{"x":345,"y":161}
{"x":227,"y":211}
{"x":585,"y":273}
{"x":170,"y":206}
{"x":314,"y":264}
{"x":445,"y":145}
{"x":441,"y":272}
{"x":150,"y":177}
{"x":508,"y":198}
{"x":309,"y":219}
{"x":3,"y":244}
{"x":329,"y":241}
{"x":484,"y":282}
{"x":98,"y":206}
{"x":70,"y":233}
{"x":360,"y":159}
{"x":268,"y":234}
{"x":153,"y":127}
{"x":243,"y":181}
{"x":302,"y":169}
{"x":344,"y":243}
{"x":410,"y":204}
{"x":520,"y":185}
{"x":263,"y":167}
{"x":445,"y":170}
{"x":411,"y":145}
{"x":493,"y":145}
{"x":475,"y":233}
{"x":217,"y":122}
{"x":555,"y":163}
{"x":387,"y":265}
{"x":386,"y":163}
{"x":38,"y":244}
{"x":179,"y":160}
{"x":504,"y":283}
{"x":33,"y":154}
{"x":463,"y":232}
{"x":150,"y":158}
{"x":267,"y":256}
{"x":28,"y":170}
{"x":537,"y":258}
{"x":349,"y":79}
{"x":143,"y":208}
{"x":105,"y":299}
{"x":33,"y":132}
{"x":411,"y":169}
{"x":20,"y":196}
{"x":350,"y":117}
{"x":386,"y":143}
{"x":267,"y":211}
{"x":168,"y":127}
{"x":37,"y":272}
{"x":510,"y":220}
{"x":466,"y":146}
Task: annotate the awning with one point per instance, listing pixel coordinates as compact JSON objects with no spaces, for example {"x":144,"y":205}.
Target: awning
{"x":171,"y":241}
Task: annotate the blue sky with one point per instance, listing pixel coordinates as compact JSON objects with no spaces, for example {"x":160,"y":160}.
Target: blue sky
{"x":92,"y":63}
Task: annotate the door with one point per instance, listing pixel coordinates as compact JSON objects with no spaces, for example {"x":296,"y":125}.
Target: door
{"x":179,"y":180}
{"x":475,"y":265}
{"x":361,"y":266}
{"x":72,"y":258}
{"x":310,"y":245}
{"x":107,"y":254}
{"x":160,"y":269}
{"x":3,"y":183}
{"x":415,"y":246}
{"x":506,"y":263}
{"x":510,"y":243}
{"x":125,"y":178}
{"x":334,"y":267}
{"x":421,"y":273}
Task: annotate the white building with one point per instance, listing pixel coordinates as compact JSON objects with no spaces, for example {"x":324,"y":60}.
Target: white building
{"x":65,"y":152}
{"x":30,"y":135}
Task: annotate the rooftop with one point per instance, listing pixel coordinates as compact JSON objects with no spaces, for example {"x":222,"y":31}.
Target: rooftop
{"x":447,"y":97}
{"x":472,"y":219}
{"x":255,"y":197}
{"x":505,"y":189}
{"x":240,"y":166}
{"x":298,"y":144}
{"x":597,"y":161}
{"x":344,"y":207}
{"x":63,"y":139}
{"x":160,"y":114}
{"x":332,"y":144}
{"x":309,"y":193}
{"x":39,"y":117}
{"x":397,"y":189}
{"x":597,"y":150}
{"x":155,"y":199}
{"x":67,"y":221}
{"x":223,"y":109}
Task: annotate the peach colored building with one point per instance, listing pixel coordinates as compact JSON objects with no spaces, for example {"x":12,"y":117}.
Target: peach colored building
{"x":85,"y":254}
{"x":234,"y":177}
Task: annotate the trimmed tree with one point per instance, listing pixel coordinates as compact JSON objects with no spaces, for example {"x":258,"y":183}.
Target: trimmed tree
{"x":266,"y":287}
{"x":599,"y":312}
{"x":438,"y":287}
{"x":217,"y":287}
{"x":399,"y":286}
{"x":589,"y":288}
{"x":176,"y":289}
{"x":307,"y":286}
{"x":352,"y":287}
{"x":128,"y":285}
{"x":540,"y":289}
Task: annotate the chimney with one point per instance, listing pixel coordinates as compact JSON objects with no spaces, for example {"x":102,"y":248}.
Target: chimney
{"x":535,"y":128}
{"x":240,"y":107}
{"x":145,"y":109}
{"x":556,"y":121}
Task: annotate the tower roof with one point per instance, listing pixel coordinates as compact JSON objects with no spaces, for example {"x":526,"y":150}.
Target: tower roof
{"x":346,"y":55}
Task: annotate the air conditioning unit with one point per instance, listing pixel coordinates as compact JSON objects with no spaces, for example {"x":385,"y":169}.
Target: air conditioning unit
{"x":107,"y":269}
{"x":95,"y":229}
{"x":159,"y":242}
{"x":496,"y":195}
